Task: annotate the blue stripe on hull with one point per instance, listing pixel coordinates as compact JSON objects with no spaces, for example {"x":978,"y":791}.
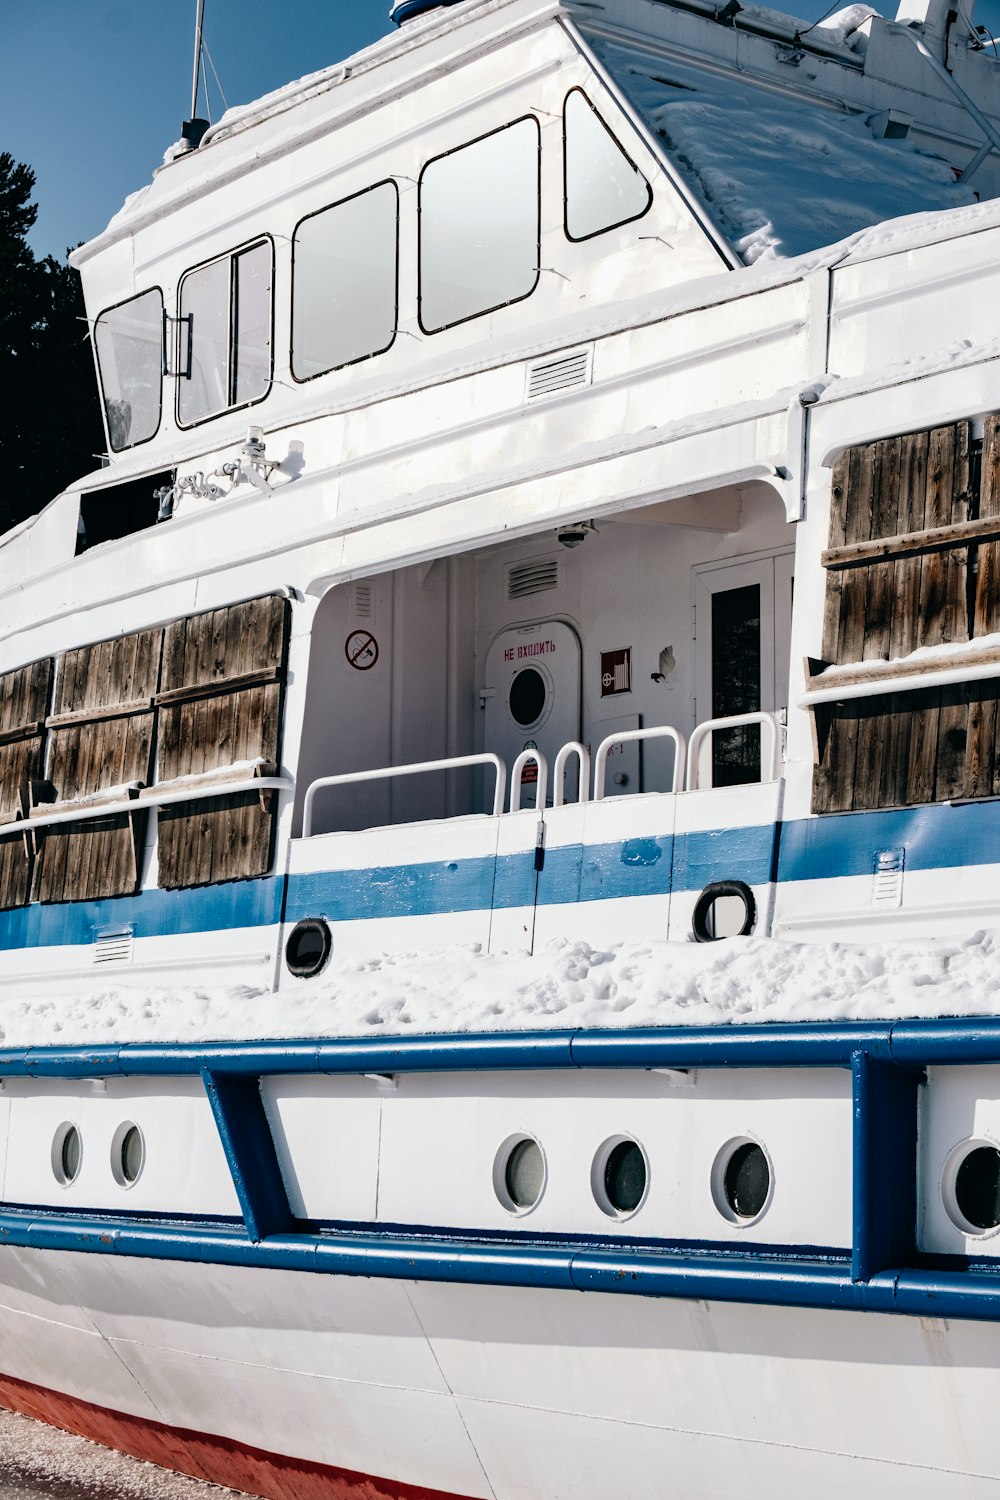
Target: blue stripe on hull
{"x":937,"y":836}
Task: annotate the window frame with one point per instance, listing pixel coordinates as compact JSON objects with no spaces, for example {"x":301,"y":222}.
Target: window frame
{"x":100,"y":374}
{"x":510,"y":301}
{"x":580,"y":239}
{"x":361,"y":358}
{"x":231,"y":256}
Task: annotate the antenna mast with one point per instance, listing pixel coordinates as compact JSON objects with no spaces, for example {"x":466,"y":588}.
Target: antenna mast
{"x":198,"y":28}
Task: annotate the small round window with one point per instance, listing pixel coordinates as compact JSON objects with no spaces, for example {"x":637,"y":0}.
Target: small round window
{"x":67,"y":1153}
{"x":971,"y":1187}
{"x":620,"y":1177}
{"x":742,"y":1181}
{"x":527,"y":697}
{"x":308,"y":947}
{"x":128,"y":1154}
{"x":519,"y":1174}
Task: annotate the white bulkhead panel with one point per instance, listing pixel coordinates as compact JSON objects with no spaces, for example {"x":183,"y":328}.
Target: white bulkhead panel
{"x":959,"y":1162}
{"x":184,"y":1168}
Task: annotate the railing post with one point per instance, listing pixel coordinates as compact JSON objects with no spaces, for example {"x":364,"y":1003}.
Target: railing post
{"x":885,"y":1100}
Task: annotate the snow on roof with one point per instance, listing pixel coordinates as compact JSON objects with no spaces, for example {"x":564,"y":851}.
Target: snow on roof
{"x":780,"y":174}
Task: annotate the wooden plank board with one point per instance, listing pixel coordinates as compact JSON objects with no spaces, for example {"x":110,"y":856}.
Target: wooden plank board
{"x":986,"y":610}
{"x":944,"y":575}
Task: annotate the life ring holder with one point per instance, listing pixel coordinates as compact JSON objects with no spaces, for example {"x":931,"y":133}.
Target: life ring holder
{"x":708,"y":898}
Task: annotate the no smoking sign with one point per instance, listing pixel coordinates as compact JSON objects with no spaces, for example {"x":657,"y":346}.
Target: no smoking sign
{"x":361,"y":650}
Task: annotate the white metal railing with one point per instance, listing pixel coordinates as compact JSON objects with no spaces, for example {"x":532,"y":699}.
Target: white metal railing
{"x":558,"y":771}
{"x":737,"y":721}
{"x":542,"y":784}
{"x":658,"y":732}
{"x":386,"y":773}
{"x":148,"y":797}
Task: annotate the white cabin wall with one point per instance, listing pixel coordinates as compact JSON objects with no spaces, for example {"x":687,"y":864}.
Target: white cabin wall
{"x":631,"y":585}
{"x":414,"y":703}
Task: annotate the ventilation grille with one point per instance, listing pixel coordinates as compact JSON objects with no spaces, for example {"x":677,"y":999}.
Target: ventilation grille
{"x":548,"y":377}
{"x":363,"y":601}
{"x":113,"y":948}
{"x":536,"y":576}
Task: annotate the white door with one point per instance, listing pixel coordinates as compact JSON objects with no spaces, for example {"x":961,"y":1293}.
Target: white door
{"x":743,"y":622}
{"x":531,"y":694}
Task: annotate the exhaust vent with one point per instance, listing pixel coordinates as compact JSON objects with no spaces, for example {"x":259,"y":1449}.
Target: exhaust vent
{"x":562,"y":372}
{"x":114,"y":947}
{"x":536,"y":576}
{"x":363,"y":601}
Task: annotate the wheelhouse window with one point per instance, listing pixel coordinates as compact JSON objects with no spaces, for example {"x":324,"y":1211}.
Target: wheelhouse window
{"x":479,"y":226}
{"x":129,"y":342}
{"x":604,"y":187}
{"x":344,"y":282}
{"x":225,"y":334}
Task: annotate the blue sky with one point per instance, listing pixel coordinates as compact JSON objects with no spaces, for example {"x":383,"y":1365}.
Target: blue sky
{"x":92,"y":92}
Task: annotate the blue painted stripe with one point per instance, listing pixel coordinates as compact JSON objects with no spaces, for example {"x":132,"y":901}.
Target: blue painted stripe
{"x":939,"y":836}
{"x":151,"y":913}
{"x":793,"y":1044}
{"x":715,"y":1277}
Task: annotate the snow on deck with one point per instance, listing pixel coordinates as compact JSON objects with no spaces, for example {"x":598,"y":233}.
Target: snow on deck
{"x":568,"y":985}
{"x":780,"y":175}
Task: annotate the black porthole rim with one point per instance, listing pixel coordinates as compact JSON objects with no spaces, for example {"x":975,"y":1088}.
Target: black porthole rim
{"x":314,"y":966}
{"x":710,"y":894}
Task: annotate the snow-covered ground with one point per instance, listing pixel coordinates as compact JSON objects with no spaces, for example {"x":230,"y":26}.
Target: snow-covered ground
{"x":567,"y":985}
{"x":42,"y":1463}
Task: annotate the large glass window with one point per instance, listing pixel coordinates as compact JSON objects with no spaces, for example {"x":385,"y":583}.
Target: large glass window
{"x":479,"y":226}
{"x":225,"y":323}
{"x":604,"y":187}
{"x":344,"y":282}
{"x":129,"y":341}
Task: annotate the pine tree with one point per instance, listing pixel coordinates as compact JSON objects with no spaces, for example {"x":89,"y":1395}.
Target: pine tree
{"x":50,"y":422}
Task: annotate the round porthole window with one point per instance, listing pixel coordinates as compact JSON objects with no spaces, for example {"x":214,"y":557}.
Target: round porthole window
{"x":308,"y":947}
{"x":742,"y":1181}
{"x":519,"y":1173}
{"x":67,"y":1153}
{"x":527,"y":697}
{"x":726,"y":908}
{"x":128,"y":1154}
{"x":971,"y":1187}
{"x":620,"y":1177}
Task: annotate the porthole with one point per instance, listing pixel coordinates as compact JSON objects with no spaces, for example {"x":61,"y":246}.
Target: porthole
{"x":527,"y":697}
{"x":308,"y":948}
{"x":620,"y":1177}
{"x":519,"y":1173}
{"x":128,"y":1154}
{"x":970,"y":1187}
{"x":742,"y":1181}
{"x":67,"y":1153}
{"x":726,"y":908}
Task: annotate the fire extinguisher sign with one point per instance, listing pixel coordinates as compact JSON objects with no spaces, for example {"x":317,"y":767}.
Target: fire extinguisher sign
{"x":616,"y":672}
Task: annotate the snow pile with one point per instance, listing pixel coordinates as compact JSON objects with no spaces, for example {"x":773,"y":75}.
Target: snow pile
{"x":568,"y":985}
{"x":843,"y":27}
{"x":781,"y":176}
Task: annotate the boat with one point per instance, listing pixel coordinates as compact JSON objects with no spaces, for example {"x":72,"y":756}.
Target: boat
{"x":500,"y":773}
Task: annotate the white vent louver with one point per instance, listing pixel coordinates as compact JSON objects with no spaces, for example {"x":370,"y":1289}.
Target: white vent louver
{"x":558,"y":373}
{"x":536,"y":576}
{"x":113,"y":947}
{"x":363,"y":601}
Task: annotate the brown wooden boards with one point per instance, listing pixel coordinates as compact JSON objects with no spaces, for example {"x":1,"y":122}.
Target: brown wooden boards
{"x":101,"y":733}
{"x":905,"y":533}
{"x":24,"y":702}
{"x":220,"y":705}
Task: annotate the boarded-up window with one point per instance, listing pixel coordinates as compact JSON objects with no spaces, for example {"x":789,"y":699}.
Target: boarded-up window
{"x":100,"y":739}
{"x":220,"y":706}
{"x":24,"y":702}
{"x":913,"y":562}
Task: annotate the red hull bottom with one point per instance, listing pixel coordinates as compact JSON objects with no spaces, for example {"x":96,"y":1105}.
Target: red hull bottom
{"x":202,"y":1456}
